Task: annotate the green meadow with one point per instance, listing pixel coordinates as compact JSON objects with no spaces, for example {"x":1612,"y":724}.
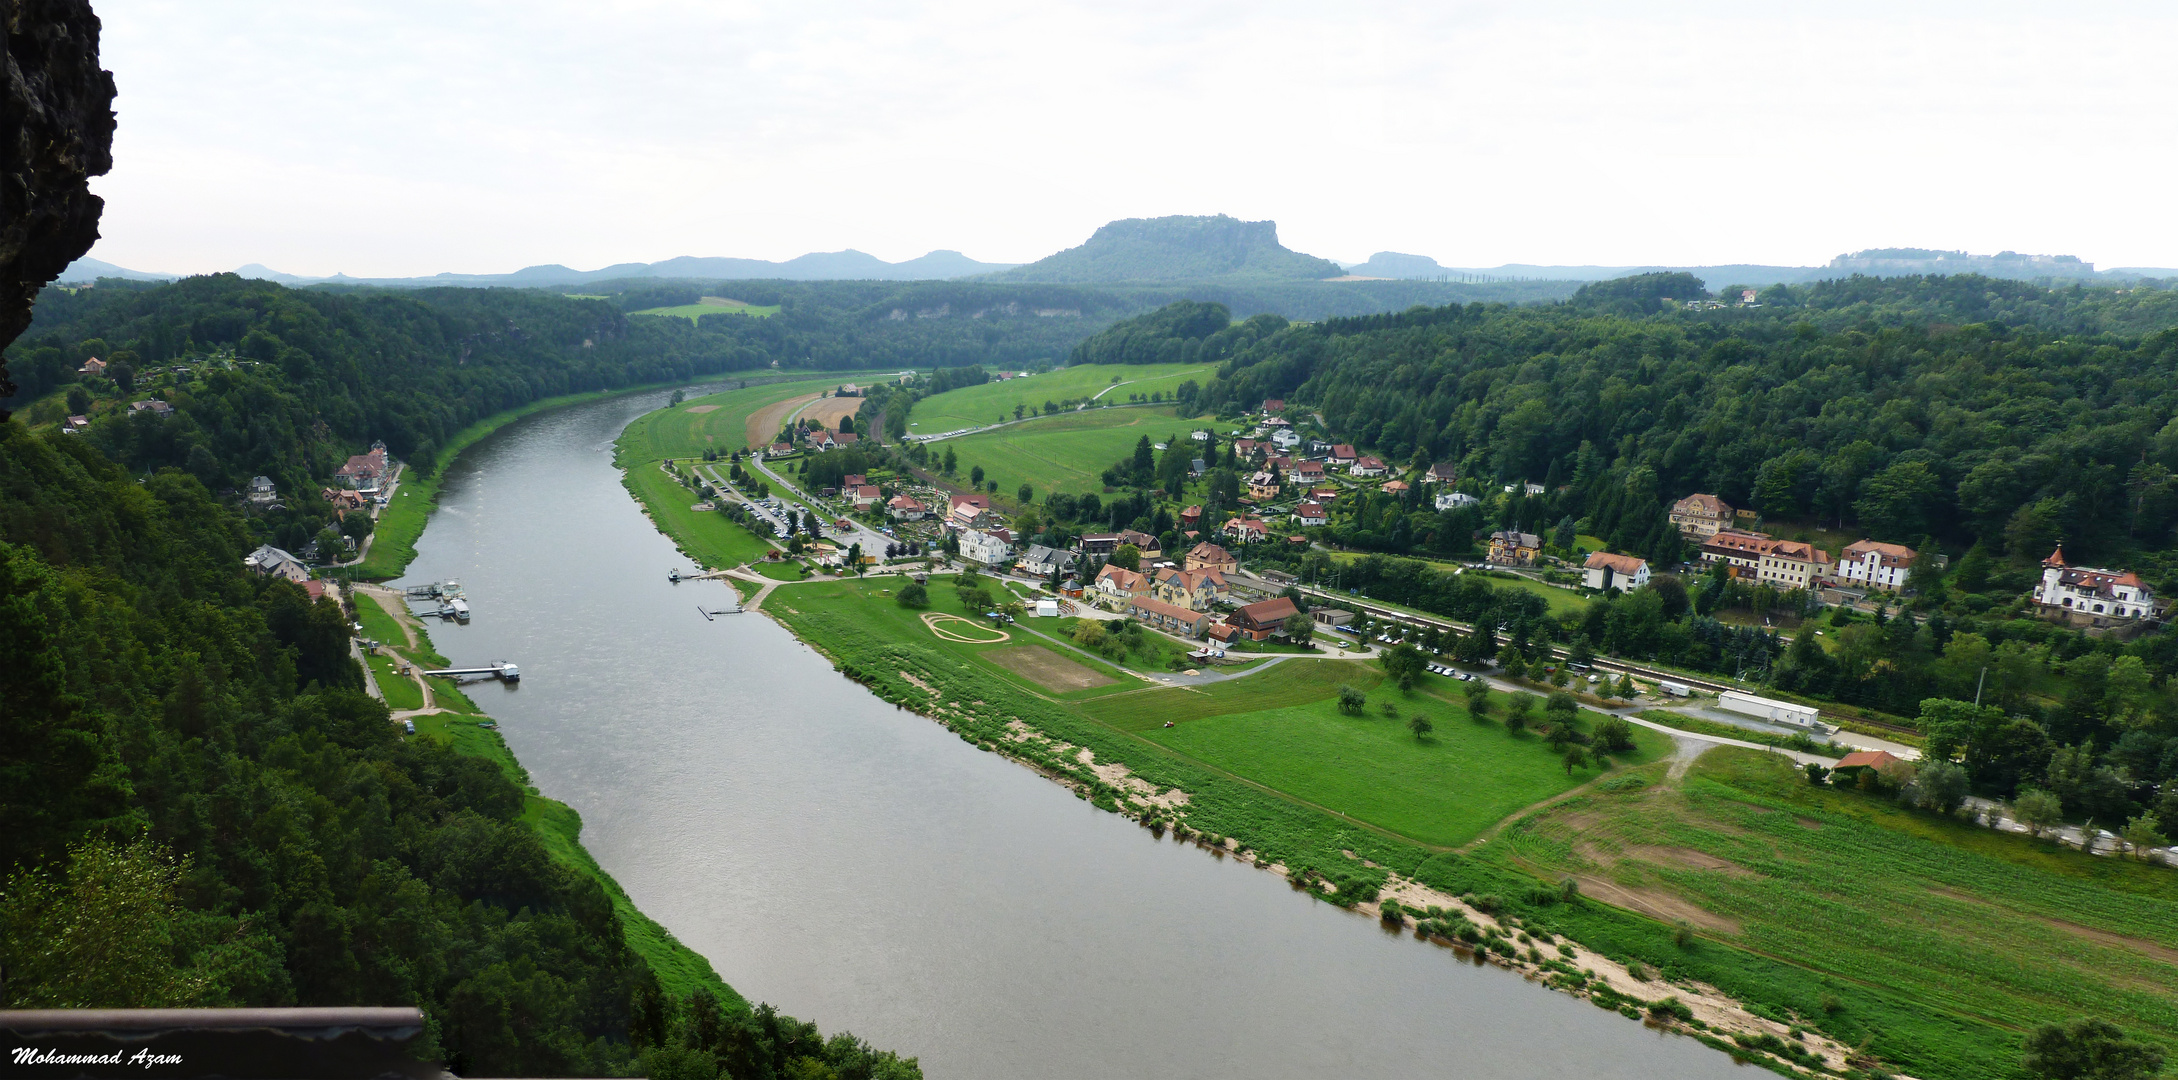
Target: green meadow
{"x":711,"y":305}
{"x":1068,"y":452}
{"x":711,"y":422}
{"x":974,"y":406}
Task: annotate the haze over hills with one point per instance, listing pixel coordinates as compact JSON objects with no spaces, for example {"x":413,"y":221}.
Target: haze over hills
{"x":1177,"y":248}
{"x":1875,"y":262}
{"x":848,"y":265}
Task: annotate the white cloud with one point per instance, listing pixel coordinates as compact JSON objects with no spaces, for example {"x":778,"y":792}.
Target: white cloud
{"x":409,"y":138}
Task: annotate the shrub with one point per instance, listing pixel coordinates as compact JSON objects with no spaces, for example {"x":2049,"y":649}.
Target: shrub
{"x":914,"y":595}
{"x":1352,"y":701}
{"x":1614,"y":736}
{"x":1682,"y":935}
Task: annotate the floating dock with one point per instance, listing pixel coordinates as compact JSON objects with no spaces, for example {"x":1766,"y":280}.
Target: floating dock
{"x":497,"y":669}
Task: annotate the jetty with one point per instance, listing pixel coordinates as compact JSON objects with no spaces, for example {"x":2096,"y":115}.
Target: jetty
{"x":497,"y":669}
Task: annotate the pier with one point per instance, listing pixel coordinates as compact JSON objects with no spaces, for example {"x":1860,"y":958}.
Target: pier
{"x":498,"y":669}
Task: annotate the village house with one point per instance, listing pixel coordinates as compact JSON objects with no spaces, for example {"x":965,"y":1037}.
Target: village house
{"x":153,"y":406}
{"x":1306,"y":472}
{"x":906,"y":508}
{"x":1143,"y":542}
{"x":1193,"y":589}
{"x":853,"y":480}
{"x":263,"y":490}
{"x":1398,"y":487}
{"x":93,"y":366}
{"x":364,"y":472}
{"x":1443,"y":472}
{"x":1044,"y":561}
{"x":1453,"y":500}
{"x":1263,"y":619}
{"x":1625,"y":573}
{"x":993,"y":548}
{"x":1209,"y":556}
{"x":1285,"y":439}
{"x":1246,"y":449}
{"x":1740,"y":552}
{"x":1170,"y":618}
{"x":1196,"y":467}
{"x":1791,"y":564}
{"x":1323,"y":494}
{"x":1116,"y":585}
{"x":1273,"y":406}
{"x":1341,"y":456}
{"x":1514,"y":548}
{"x":1097,"y":543}
{"x":1876,"y":565}
{"x":779,"y":450}
{"x":1247,"y":530}
{"x":1861,"y":761}
{"x":1308,"y":515}
{"x":1330,"y":616}
{"x":1191,"y":517}
{"x":75,"y":424}
{"x":844,"y":438}
{"x":970,"y":511}
{"x":1263,"y":486}
{"x":864,"y":497}
{"x":270,"y":561}
{"x":2093,"y":598}
{"x":1366,"y":467}
{"x":344,"y":500}
{"x":1699,"y":517}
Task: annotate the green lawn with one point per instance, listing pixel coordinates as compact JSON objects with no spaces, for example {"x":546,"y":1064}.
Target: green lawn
{"x":975,"y":406}
{"x":378,"y":623}
{"x":1445,"y":789}
{"x":401,"y":691}
{"x":1561,"y":601}
{"x":710,"y":305}
{"x":712,"y":422}
{"x":1067,"y":453}
{"x":1986,"y":933}
{"x":705,"y":536}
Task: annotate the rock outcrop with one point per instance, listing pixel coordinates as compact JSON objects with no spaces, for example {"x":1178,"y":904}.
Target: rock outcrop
{"x":56,"y":132}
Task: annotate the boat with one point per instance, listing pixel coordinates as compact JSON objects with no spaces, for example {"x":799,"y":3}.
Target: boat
{"x":460,"y":608}
{"x":507,"y":672}
{"x":674,"y":576}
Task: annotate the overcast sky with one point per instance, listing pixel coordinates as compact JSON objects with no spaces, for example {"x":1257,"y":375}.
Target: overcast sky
{"x":390,"y":138}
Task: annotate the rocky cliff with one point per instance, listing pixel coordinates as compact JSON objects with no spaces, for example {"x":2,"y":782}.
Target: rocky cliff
{"x":56,"y":132}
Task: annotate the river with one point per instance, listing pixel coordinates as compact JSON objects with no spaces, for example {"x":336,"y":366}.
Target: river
{"x":857,"y":865}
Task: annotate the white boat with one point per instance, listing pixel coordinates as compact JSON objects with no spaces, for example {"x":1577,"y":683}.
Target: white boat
{"x":460,"y":608}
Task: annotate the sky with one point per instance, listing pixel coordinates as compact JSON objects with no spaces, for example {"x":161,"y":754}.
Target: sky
{"x":406,"y":138}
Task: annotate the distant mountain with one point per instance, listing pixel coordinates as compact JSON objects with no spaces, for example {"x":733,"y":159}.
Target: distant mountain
{"x":849,"y":265}
{"x":88,"y":269}
{"x":1175,"y":249}
{"x":1391,"y":264}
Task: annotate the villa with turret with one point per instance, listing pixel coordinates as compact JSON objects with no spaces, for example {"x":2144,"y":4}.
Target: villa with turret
{"x":2093,"y":598}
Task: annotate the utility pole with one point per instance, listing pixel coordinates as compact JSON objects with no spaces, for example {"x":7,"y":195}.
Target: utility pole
{"x":1978,"y":681}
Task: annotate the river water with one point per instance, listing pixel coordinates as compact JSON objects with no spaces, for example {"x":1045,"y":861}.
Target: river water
{"x":859,"y":866}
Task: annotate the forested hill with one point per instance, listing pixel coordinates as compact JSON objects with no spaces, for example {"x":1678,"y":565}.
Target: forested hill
{"x":1886,"y":406}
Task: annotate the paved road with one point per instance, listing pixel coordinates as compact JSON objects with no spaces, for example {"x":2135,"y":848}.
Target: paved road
{"x":873,"y":542}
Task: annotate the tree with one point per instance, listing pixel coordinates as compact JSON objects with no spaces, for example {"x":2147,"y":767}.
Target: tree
{"x":1420,"y":725}
{"x":1351,"y":700}
{"x":951,"y":462}
{"x":1626,"y":688}
{"x":975,"y":476}
{"x":913,"y":595}
{"x":1478,"y":698}
{"x":2088,"y":1049}
{"x":1510,"y":661}
{"x":1574,"y":756}
{"x":1937,"y":785}
{"x":1404,"y":663}
{"x":1816,"y":774}
{"x":854,"y":558}
{"x":2143,"y":833}
{"x":1517,"y":710}
{"x":1126,"y":557}
{"x":1560,"y":708}
{"x":1298,"y":628}
{"x":1613,"y":735}
{"x":2038,"y":810}
{"x":1027,"y":494}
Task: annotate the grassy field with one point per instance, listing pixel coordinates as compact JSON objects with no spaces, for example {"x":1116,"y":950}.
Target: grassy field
{"x":401,"y":691}
{"x":711,"y":305}
{"x":1068,"y":452}
{"x":1984,"y":934}
{"x":870,"y":602}
{"x":378,"y":623}
{"x":705,"y":536}
{"x":711,"y":422}
{"x":975,"y":406}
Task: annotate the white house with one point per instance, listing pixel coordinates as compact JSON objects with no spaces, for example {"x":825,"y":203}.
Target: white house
{"x":274,"y":562}
{"x":1045,"y":561}
{"x":2084,"y":594}
{"x":1285,"y":438}
{"x":1876,"y":565}
{"x":1622,"y":572}
{"x":1309,"y":515}
{"x":1453,"y":500}
{"x":979,"y":546}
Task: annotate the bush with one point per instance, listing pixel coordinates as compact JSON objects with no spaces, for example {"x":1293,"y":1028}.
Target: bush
{"x":1614,"y":736}
{"x":914,"y":595}
{"x":1352,"y":701}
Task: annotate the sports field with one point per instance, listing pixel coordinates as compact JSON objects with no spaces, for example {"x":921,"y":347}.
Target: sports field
{"x":714,"y":421}
{"x":1067,"y":453}
{"x":975,"y":406}
{"x":711,"y":305}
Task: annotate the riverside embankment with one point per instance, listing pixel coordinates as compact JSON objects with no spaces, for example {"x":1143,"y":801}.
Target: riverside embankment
{"x":858,"y":865}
